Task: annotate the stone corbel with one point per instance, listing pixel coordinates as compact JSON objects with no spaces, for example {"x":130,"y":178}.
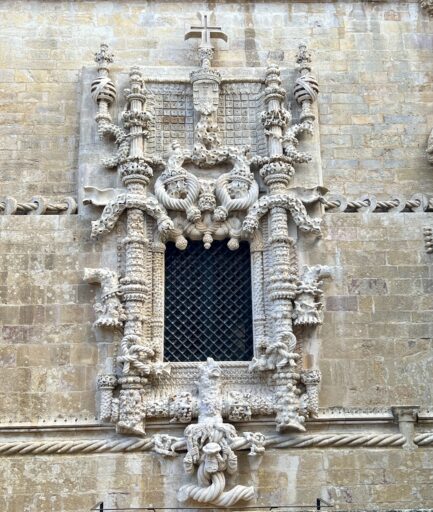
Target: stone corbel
{"x":406,"y":416}
{"x":106,"y":385}
{"x":311,"y":380}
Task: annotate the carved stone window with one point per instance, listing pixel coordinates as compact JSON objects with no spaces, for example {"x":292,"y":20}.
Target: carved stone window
{"x":216,"y":195}
{"x":208,"y":303}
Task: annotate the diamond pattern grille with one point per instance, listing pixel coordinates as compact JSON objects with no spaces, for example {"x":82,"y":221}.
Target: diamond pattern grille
{"x":208,"y":303}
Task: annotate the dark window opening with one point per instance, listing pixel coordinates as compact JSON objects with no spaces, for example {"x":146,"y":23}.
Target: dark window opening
{"x":208,"y":303}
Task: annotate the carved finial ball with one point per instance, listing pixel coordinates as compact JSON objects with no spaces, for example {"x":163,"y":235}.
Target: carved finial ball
{"x":303,"y":58}
{"x":306,"y":89}
{"x":233,"y":244}
{"x":273,"y":74}
{"x":181,"y":243}
{"x":103,"y":89}
{"x":135,"y":74}
{"x":273,"y":69}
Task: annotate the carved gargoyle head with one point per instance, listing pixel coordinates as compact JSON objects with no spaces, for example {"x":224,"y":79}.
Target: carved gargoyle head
{"x":207,"y":200}
{"x":238,"y":187}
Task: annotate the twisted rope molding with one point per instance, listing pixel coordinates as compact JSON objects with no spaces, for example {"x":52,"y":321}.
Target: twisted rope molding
{"x":333,"y":203}
{"x":37,"y":205}
{"x":424,"y":439}
{"x":141,"y":445}
{"x":369,"y":203}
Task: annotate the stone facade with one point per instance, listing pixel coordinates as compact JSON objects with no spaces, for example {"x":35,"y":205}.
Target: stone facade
{"x":368,"y":446}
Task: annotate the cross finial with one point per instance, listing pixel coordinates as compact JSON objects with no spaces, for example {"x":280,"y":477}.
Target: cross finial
{"x":205,"y":32}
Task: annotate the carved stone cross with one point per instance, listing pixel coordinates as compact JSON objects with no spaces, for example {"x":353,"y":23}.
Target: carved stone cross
{"x":205,"y":31}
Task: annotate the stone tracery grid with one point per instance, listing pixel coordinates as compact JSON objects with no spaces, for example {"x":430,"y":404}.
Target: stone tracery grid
{"x":238,"y":116}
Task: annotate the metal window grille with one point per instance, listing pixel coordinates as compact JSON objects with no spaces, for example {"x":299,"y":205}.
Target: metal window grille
{"x":208,"y":303}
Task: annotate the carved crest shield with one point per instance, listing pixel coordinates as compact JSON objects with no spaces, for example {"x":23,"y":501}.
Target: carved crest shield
{"x":206,"y":95}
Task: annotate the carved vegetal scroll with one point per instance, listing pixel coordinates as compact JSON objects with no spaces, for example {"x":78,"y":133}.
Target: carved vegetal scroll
{"x":207,"y":192}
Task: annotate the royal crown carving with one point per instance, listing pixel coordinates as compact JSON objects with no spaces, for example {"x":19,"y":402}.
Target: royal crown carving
{"x":209,"y":191}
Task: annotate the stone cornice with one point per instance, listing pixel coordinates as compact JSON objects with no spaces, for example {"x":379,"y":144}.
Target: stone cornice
{"x":341,"y":417}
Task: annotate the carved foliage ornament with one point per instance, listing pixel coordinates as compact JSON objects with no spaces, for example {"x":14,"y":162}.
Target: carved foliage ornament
{"x":207,"y":192}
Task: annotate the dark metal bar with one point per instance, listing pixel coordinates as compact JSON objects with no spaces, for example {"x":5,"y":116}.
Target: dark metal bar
{"x":99,"y":506}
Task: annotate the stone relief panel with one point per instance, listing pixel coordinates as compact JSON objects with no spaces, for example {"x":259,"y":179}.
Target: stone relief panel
{"x":207,"y":161}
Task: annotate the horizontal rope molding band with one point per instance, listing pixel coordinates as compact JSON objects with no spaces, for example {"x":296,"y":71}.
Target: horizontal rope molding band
{"x":37,"y":205}
{"x":424,"y":439}
{"x":169,"y":446}
{"x":333,"y":203}
{"x":336,"y":203}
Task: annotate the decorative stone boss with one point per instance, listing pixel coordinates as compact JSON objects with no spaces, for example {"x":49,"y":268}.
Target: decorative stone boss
{"x":207,"y":192}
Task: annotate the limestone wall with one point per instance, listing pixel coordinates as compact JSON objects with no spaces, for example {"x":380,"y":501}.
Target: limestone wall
{"x":378,"y":480}
{"x":374,"y":64}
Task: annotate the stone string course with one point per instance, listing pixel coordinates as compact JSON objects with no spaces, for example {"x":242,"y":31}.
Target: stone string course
{"x":134,"y":444}
{"x":37,"y":206}
{"x":333,"y":203}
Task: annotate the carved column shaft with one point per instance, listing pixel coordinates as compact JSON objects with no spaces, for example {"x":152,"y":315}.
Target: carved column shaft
{"x":135,"y":349}
{"x":274,"y":143}
{"x":282,"y":283}
{"x":135,"y":115}
{"x":135,"y":176}
{"x":281,"y":287}
{"x":257,"y":273}
{"x":157,"y":322}
{"x":134,"y":287}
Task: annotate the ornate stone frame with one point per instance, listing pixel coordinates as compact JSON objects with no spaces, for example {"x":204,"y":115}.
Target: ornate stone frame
{"x":209,"y":191}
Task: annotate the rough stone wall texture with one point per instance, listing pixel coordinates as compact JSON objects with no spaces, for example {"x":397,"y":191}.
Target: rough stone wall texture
{"x":373,"y":61}
{"x":377,"y":332}
{"x":378,"y":480}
